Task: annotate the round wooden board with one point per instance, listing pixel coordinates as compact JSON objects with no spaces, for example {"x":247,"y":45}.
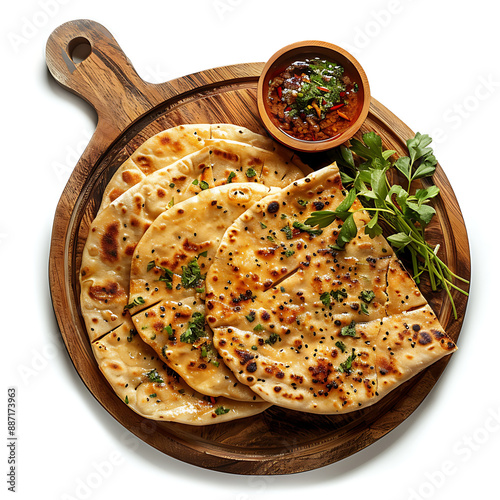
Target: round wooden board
{"x":130,"y":111}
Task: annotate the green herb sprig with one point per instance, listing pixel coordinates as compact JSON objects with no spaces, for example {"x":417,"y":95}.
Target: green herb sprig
{"x":406,"y":211}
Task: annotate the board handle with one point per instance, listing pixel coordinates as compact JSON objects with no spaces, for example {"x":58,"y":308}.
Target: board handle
{"x":105,"y":77}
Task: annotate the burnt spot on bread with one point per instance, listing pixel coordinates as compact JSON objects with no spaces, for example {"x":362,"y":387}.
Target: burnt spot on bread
{"x":110,"y":292}
{"x":129,"y":250}
{"x":244,"y":356}
{"x":422,"y":337}
{"x":321,"y":371}
{"x":109,"y":243}
{"x":226,"y":155}
{"x":130,"y":177}
{"x":115,"y":193}
{"x":144,"y":163}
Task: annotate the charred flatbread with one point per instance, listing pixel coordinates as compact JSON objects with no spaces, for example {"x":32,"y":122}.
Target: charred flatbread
{"x":303,"y":324}
{"x":168,"y":282}
{"x":175,"y":143}
{"x":113,"y":235}
{"x":148,"y":387}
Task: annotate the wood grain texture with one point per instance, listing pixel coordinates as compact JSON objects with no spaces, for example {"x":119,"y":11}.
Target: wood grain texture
{"x":130,"y":111}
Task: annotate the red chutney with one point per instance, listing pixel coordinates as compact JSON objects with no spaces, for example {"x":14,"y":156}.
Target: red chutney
{"x":313,"y":100}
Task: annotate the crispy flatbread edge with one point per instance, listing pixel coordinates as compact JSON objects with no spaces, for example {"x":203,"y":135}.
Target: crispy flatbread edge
{"x":132,"y":386}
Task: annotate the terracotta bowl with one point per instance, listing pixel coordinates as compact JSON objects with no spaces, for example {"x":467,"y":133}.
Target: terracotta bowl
{"x":300,"y":51}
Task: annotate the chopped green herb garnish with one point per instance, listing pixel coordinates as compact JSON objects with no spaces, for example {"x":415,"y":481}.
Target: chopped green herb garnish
{"x":262,"y":225}
{"x":307,"y":228}
{"x":136,"y":302}
{"x":166,"y":277}
{"x":195,"y":330}
{"x":326,"y":298}
{"x":154,"y":377}
{"x":170,"y":332}
{"x":191,"y":275}
{"x":221,"y":410}
{"x":340,"y":345}
{"x":273,"y":338}
{"x":250,"y":173}
{"x":230,"y":178}
{"x":258,"y":328}
{"x":338,"y":295}
{"x":288,"y":232}
{"x":346,"y":366}
{"x":209,"y":353}
{"x":153,"y":395}
{"x":406,"y":211}
{"x":250,"y":317}
{"x":204,"y":185}
{"x":349,"y":331}
{"x":367,"y":296}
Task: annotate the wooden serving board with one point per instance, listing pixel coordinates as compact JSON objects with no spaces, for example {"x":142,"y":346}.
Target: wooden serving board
{"x":130,"y":111}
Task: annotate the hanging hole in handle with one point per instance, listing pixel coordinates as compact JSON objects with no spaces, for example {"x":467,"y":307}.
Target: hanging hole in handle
{"x":79,"y":49}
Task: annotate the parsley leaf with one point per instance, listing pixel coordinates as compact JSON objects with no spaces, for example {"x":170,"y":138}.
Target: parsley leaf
{"x":346,"y":366}
{"x":307,"y":228}
{"x":195,"y":330}
{"x":405,"y":211}
{"x":347,"y":232}
{"x":340,"y":345}
{"x":273,"y":338}
{"x":326,"y":298}
{"x":220,"y":410}
{"x":136,"y":302}
{"x":349,"y":331}
{"x":367,"y":296}
{"x":209,"y":353}
{"x":288,"y":232}
{"x":154,"y":377}
{"x":191,"y":275}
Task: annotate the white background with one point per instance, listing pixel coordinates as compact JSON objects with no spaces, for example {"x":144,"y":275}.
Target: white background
{"x":434,"y":64}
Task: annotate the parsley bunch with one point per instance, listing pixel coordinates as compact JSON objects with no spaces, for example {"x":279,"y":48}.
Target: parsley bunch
{"x":406,"y":212}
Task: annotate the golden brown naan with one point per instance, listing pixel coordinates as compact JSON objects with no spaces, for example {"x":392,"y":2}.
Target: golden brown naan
{"x":301,"y":323}
{"x":167,"y":278}
{"x":175,"y":143}
{"x":105,"y":269}
{"x":143,"y":382}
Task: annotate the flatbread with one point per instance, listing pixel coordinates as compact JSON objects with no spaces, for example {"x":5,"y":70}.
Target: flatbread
{"x":301,"y":323}
{"x":167,"y":281}
{"x":143,"y":382}
{"x":113,"y":235}
{"x":175,"y":143}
